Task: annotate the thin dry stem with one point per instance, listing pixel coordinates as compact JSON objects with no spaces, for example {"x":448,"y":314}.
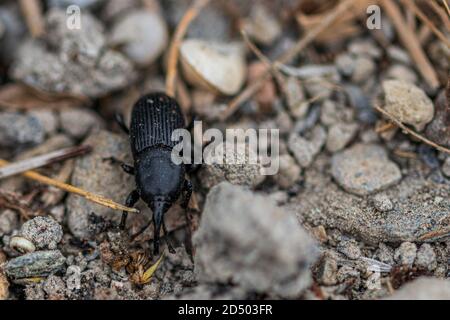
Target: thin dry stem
{"x":178,"y":36}
{"x":411,"y":5}
{"x":69,"y":188}
{"x":411,"y":43}
{"x":410,"y":131}
{"x":42,"y":160}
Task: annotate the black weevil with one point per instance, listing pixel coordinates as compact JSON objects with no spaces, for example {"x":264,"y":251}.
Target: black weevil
{"x":159,"y":181}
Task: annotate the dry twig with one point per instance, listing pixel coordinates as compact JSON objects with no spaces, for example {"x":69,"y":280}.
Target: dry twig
{"x":252,"y":88}
{"x":410,"y":131}
{"x":66,"y":187}
{"x":178,"y":36}
{"x":42,"y":160}
{"x":411,"y":5}
{"x":411,"y":43}
{"x":32,"y":10}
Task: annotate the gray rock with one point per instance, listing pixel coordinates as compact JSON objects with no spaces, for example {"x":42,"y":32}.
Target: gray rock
{"x":296,"y":100}
{"x":79,"y":62}
{"x":426,"y":257}
{"x":261,"y":25}
{"x":385,"y":254}
{"x":263,"y":250}
{"x":364,"y":169}
{"x":15,"y":30}
{"x":397,"y":54}
{"x":36,"y":264}
{"x":340,"y":135}
{"x":306,"y":149}
{"x":44,"y":232}
{"x":406,"y":254}
{"x":20,"y":129}
{"x":9,"y":221}
{"x":289,"y":172}
{"x":446,"y":167}
{"x":415,"y":214}
{"x":47,"y":118}
{"x":366,"y":48}
{"x":95,"y":174}
{"x":408,"y":103}
{"x":438,"y":130}
{"x":54,"y":287}
{"x":382,"y":203}
{"x":241,"y":172}
{"x":130,"y":34}
{"x":345,"y":64}
{"x":400,"y":72}
{"x":350,"y":249}
{"x":424,"y":288}
{"x":77,"y":123}
{"x":364,"y":69}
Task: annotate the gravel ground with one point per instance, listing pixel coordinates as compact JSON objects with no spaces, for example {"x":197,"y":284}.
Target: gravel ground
{"x":357,"y":210}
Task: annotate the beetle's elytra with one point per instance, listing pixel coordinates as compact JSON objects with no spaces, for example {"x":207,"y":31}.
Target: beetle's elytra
{"x":159,"y":181}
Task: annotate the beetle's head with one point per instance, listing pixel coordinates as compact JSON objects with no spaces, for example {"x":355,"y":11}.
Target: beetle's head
{"x":159,"y":206}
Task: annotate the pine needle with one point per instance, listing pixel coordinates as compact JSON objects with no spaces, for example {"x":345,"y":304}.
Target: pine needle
{"x":71,"y":189}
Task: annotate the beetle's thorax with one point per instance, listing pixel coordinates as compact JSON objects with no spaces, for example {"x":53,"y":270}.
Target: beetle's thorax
{"x":157,"y":177}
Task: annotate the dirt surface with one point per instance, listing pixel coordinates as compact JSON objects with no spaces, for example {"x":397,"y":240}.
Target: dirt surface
{"x":359,"y":209}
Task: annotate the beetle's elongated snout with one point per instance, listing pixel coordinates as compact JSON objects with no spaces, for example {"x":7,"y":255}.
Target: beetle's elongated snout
{"x":158,"y":208}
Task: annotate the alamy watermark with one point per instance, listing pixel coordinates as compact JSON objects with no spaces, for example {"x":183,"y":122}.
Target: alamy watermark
{"x":238,"y":147}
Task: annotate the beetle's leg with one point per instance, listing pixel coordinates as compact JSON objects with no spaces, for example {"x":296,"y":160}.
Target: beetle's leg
{"x":121,"y":122}
{"x":137,"y":234}
{"x":187,"y":195}
{"x":132,"y":198}
{"x":166,"y":235}
{"x":125,"y":167}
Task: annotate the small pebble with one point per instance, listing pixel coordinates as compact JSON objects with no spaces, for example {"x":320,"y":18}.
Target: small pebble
{"x":364,"y":169}
{"x":9,"y":221}
{"x":397,"y":54}
{"x":402,"y":73}
{"x":261,"y":25}
{"x":350,"y":249}
{"x":408,"y":103}
{"x":219,"y":67}
{"x":446,"y":167}
{"x":424,"y":288}
{"x":385,"y":254}
{"x":47,"y":118}
{"x":426,"y":257}
{"x":20,"y":129}
{"x":382,"y":203}
{"x":289,"y":172}
{"x":327,"y":272}
{"x":406,"y":254}
{"x":36,"y":264}
{"x":44,"y":232}
{"x":439,"y":129}
{"x":77,"y":123}
{"x":340,"y":135}
{"x":306,"y":149}
{"x":364,"y":69}
{"x":241,"y":172}
{"x":54,"y":287}
{"x":131,"y":34}
{"x":296,"y":100}
{"x":345,"y":64}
